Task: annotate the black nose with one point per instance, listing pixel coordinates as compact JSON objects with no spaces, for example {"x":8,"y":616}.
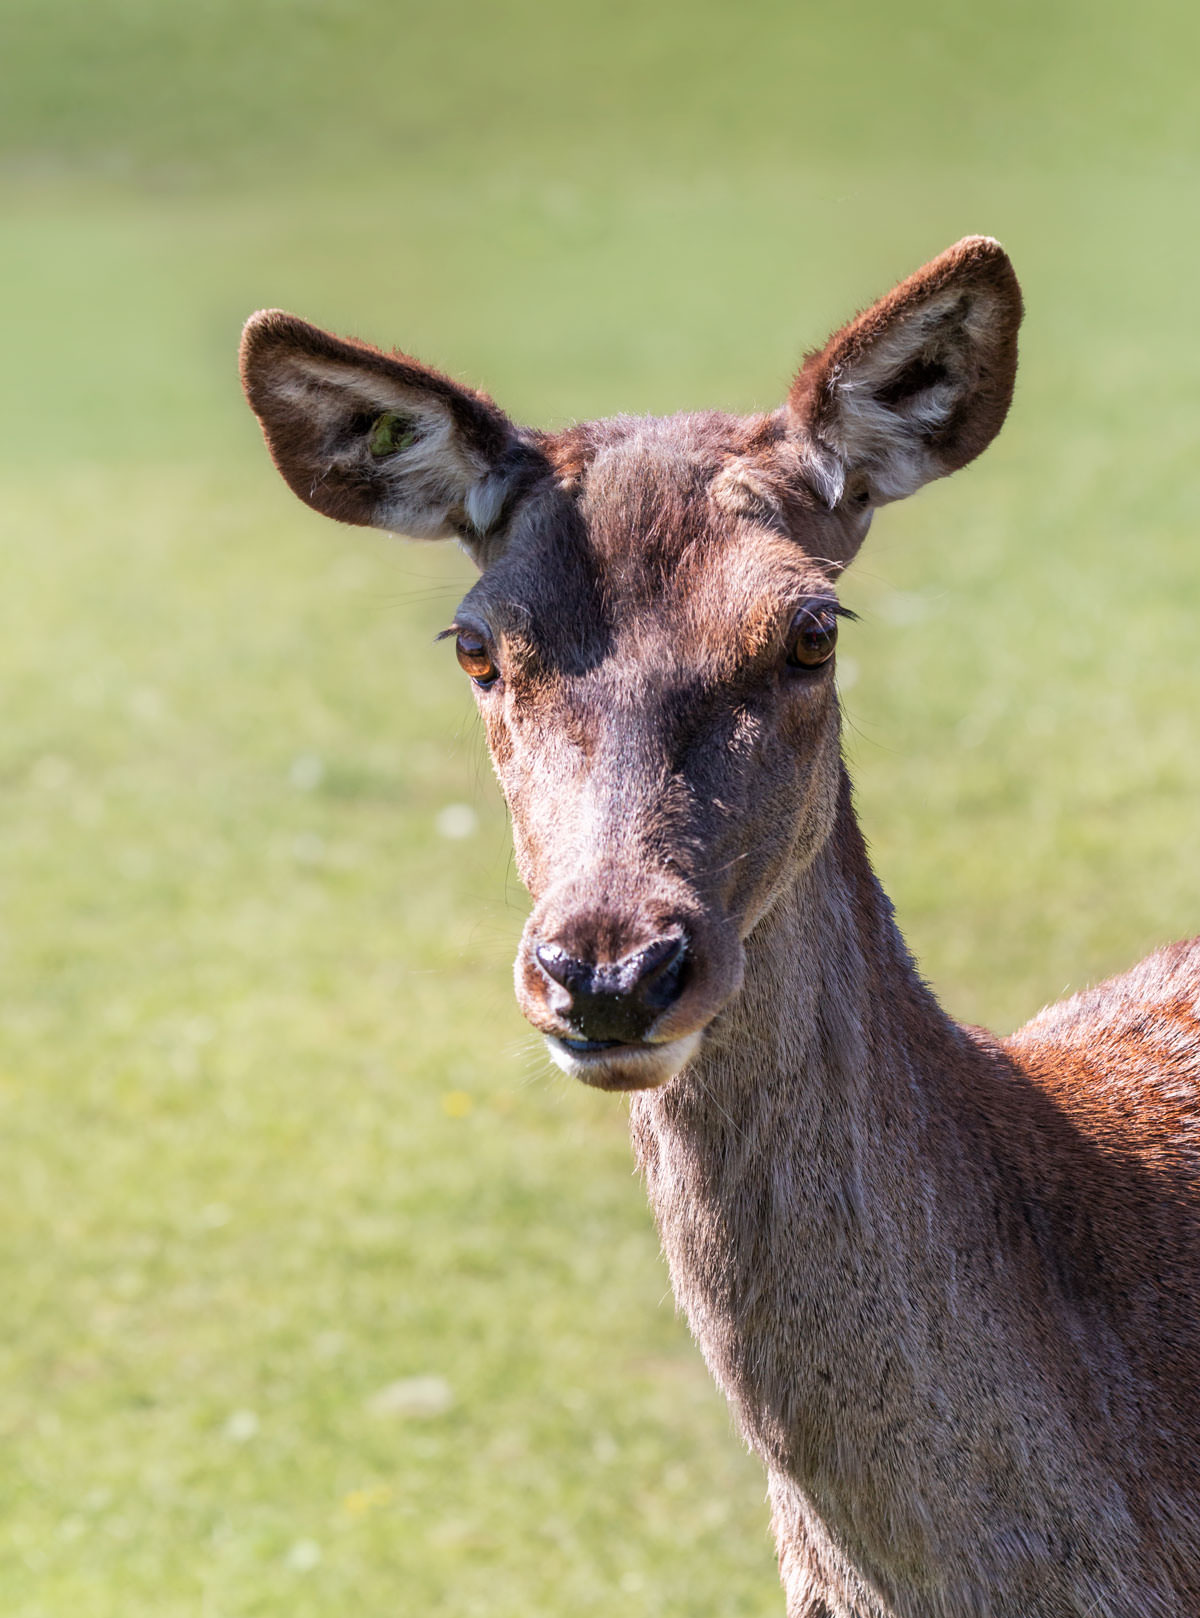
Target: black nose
{"x":616,"y":1000}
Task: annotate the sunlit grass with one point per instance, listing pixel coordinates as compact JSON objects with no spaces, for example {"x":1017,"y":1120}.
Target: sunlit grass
{"x":324,"y":1294}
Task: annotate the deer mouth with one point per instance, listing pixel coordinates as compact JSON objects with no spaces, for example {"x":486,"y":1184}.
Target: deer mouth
{"x":611,"y":1064}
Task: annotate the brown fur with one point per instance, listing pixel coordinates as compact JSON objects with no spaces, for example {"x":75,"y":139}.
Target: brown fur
{"x":946,"y":1282}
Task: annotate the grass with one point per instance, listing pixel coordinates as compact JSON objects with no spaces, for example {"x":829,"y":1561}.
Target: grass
{"x":275,"y":1138}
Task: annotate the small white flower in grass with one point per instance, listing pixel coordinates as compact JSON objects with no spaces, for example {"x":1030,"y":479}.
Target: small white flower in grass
{"x":308,"y":848}
{"x":418,"y":1397}
{"x":306,"y":772}
{"x":456,"y":821}
{"x":146,"y":704}
{"x":134,"y":864}
{"x":198,"y":1030}
{"x":241,"y":1427}
{"x":183,"y":1062}
{"x":87,"y":689}
{"x":88,"y":810}
{"x":303,"y":1555}
{"x":50,"y":772}
{"x":604,"y":1449}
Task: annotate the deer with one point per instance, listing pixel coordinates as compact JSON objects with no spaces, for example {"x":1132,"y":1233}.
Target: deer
{"x":947,"y":1282}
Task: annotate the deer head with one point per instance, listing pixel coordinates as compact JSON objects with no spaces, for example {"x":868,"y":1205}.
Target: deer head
{"x":651,"y":639}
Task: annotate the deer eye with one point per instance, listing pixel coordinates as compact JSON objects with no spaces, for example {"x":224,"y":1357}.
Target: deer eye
{"x":812,"y":636}
{"x":475,"y":657}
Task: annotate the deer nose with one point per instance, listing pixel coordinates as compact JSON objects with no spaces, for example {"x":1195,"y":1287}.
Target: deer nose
{"x":615,"y":1001}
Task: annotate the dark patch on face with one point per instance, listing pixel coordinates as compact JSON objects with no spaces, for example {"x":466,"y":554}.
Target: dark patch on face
{"x":544,"y":600}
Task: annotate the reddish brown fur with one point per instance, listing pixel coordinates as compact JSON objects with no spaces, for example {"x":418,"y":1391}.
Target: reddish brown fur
{"x":946,"y":1282}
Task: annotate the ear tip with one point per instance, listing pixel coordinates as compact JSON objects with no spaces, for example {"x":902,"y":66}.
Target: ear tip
{"x":979,"y":246}
{"x":986,"y":257}
{"x":268,"y":326}
{"x":265,"y":329}
{"x":273,"y":337}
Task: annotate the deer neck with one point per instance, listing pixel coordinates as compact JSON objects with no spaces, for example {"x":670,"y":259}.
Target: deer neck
{"x":790,"y":1169}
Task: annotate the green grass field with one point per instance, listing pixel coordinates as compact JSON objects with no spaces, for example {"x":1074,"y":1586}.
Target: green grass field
{"x":275,"y":1139}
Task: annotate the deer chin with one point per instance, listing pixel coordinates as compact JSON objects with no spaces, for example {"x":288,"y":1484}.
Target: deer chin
{"x":645,"y":1066}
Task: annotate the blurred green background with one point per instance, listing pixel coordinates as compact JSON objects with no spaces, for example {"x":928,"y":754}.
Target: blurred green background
{"x":322,"y":1293}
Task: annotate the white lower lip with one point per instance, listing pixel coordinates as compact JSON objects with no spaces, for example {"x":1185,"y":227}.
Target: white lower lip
{"x":635,"y":1067}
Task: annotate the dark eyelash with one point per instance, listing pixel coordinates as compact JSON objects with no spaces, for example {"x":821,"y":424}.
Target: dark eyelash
{"x":835,"y":607}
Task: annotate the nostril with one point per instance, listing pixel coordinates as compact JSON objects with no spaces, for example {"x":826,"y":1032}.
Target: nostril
{"x":664,"y":973}
{"x":560,"y":967}
{"x":655,"y":961}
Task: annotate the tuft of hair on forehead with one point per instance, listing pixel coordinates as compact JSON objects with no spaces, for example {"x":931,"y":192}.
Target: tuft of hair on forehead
{"x":745,"y":463}
{"x":643,"y":492}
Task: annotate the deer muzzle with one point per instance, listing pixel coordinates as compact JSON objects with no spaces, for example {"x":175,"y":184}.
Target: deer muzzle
{"x":623,"y":995}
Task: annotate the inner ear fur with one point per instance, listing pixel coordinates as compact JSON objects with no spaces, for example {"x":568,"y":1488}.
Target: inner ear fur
{"x":917,"y":385}
{"x":376,"y":439}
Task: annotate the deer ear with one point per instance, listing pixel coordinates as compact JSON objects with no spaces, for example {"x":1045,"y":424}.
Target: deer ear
{"x":373,"y":438}
{"x":917,"y":385}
